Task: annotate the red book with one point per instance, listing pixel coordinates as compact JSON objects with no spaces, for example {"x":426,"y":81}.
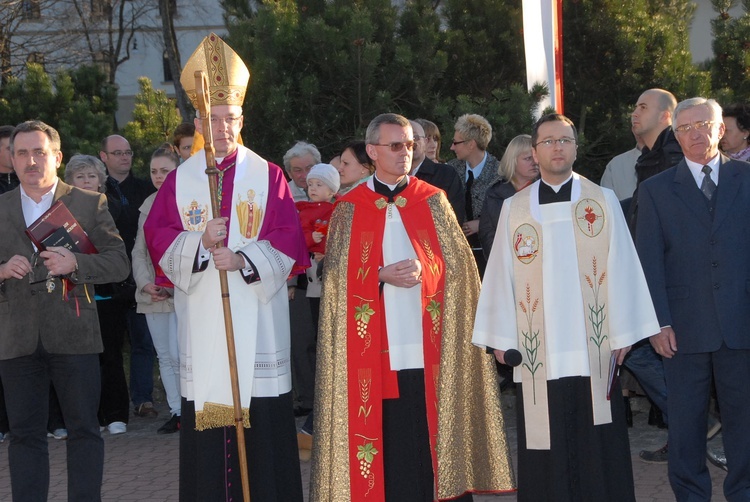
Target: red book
{"x":58,"y":227}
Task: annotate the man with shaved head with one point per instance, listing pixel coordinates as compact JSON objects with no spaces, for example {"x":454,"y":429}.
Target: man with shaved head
{"x":652,"y":122}
{"x":651,"y":119}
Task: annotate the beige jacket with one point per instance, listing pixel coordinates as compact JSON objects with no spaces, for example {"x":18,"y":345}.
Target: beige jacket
{"x":143,"y":268}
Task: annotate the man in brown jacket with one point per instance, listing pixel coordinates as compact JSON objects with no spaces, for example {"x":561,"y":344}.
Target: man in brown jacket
{"x":49,"y":332}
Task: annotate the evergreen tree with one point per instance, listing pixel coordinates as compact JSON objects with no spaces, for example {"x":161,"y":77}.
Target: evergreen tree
{"x":486,"y":71}
{"x":613,"y":51}
{"x":154,"y":119}
{"x":730,"y":68}
{"x":320,"y":71}
{"x":79,"y":103}
{"x":484,"y":43}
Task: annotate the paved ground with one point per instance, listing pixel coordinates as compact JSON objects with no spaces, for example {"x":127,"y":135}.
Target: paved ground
{"x":142,"y":466}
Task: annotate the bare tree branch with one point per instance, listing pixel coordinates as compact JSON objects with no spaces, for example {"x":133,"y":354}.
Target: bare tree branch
{"x":173,"y":56}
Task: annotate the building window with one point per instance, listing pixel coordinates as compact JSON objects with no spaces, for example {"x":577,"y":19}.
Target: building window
{"x":30,"y":9}
{"x":167,"y":69}
{"x":100,"y":8}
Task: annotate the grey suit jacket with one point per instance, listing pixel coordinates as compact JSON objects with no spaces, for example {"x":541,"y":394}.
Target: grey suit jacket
{"x":486,"y":179}
{"x":28,"y":313}
{"x":697,"y":265}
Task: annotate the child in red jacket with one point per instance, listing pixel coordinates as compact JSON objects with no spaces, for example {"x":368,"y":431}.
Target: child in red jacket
{"x":322,"y":184}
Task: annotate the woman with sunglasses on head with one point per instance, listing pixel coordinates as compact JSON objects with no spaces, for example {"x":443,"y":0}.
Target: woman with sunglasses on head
{"x":478,"y":169}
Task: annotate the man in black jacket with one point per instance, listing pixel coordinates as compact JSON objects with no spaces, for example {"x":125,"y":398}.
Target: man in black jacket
{"x":131,"y":192}
{"x":652,"y":121}
{"x":439,"y":175}
{"x":8,"y":178}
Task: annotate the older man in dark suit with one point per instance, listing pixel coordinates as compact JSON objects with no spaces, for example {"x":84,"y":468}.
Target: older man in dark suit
{"x":693,"y":237}
{"x":47,"y":333}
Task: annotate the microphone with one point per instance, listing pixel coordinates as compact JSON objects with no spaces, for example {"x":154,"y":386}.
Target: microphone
{"x":513,"y":358}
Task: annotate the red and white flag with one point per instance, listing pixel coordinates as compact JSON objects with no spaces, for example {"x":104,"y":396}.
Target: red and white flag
{"x":542,"y":36}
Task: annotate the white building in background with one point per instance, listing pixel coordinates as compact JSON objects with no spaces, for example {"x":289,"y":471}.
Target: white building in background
{"x":701,"y":38}
{"x":43,"y":34}
{"x":194,"y":20}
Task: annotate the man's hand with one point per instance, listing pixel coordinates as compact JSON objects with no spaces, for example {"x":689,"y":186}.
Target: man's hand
{"x":402,"y":274}
{"x":470,"y":227}
{"x":665,"y":343}
{"x":59,"y":260}
{"x":215,"y":232}
{"x":290,"y":292}
{"x":157,"y":293}
{"x":499,"y":355}
{"x":621,"y":353}
{"x":226,"y":259}
{"x":15,"y":268}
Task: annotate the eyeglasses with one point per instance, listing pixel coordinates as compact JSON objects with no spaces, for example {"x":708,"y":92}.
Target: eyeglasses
{"x":120,"y":153}
{"x":230,"y":121}
{"x":702,"y":125}
{"x":37,"y":153}
{"x":458,"y":142}
{"x":417,"y":137}
{"x":299,"y":169}
{"x":397,"y":146}
{"x":549,"y":143}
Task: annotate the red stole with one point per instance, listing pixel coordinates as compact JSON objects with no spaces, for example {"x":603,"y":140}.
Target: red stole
{"x":369,"y":376}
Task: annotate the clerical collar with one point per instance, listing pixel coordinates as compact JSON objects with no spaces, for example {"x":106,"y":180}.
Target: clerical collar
{"x":556,"y":188}
{"x":223,"y":163}
{"x":388,"y":190}
{"x":549,"y":194}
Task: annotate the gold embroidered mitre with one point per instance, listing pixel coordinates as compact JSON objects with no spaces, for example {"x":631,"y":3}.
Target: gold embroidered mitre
{"x":227,"y":74}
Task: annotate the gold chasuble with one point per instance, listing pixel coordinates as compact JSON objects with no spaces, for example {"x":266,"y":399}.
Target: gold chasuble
{"x":592,"y":237}
{"x":464,"y":419}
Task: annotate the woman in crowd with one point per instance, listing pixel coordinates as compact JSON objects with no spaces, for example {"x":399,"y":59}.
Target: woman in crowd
{"x":355,"y":166}
{"x":517,"y":166}
{"x":183,"y":139}
{"x":88,"y":172}
{"x":157,"y":302}
{"x":736,"y":140}
{"x":433,"y":140}
{"x":478,"y":169}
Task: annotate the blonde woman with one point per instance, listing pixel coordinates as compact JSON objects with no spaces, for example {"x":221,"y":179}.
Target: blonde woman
{"x":518,"y":170}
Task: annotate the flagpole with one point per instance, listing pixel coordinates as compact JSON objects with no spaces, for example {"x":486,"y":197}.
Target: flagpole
{"x":558,"y":25}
